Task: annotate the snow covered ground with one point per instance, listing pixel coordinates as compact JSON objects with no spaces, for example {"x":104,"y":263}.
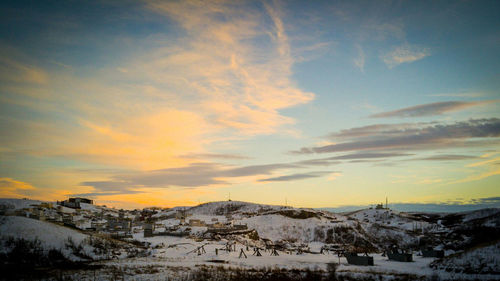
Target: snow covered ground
{"x":290,"y":230}
{"x":51,"y":235}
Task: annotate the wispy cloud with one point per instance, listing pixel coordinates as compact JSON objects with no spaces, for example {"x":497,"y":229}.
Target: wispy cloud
{"x":412,"y":136}
{"x":233,"y":59}
{"x":359,"y":61}
{"x":12,"y":71}
{"x":294,"y":177}
{"x":446,"y":157}
{"x":214,"y":156}
{"x":492,"y":171}
{"x":460,"y":95}
{"x":203,"y":175}
{"x":369,"y":155}
{"x":236,"y":58}
{"x":405,"y":54}
{"x":193,"y":175}
{"x":430,"y":109}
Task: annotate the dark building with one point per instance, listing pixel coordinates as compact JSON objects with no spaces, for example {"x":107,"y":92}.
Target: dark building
{"x":75,"y":202}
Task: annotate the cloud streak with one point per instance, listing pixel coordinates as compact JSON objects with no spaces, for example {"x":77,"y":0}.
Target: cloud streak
{"x":447,"y":157}
{"x":412,"y":136}
{"x":215,"y":156}
{"x":193,"y":175}
{"x":369,"y":155}
{"x":430,"y":109}
{"x":294,"y":177}
{"x":13,"y":188}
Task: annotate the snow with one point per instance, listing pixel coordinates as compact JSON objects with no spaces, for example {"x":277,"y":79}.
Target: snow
{"x":479,"y":214}
{"x":223,"y":207}
{"x":292,"y":228}
{"x":278,"y":227}
{"x":18,"y":203}
{"x":51,"y":236}
{"x":90,"y":207}
{"x":479,"y":260}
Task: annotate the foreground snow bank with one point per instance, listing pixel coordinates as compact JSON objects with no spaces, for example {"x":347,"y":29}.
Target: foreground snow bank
{"x":479,"y":260}
{"x":71,"y":243}
{"x":50,"y":235}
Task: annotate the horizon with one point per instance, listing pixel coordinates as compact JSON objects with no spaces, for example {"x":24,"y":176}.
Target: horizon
{"x":450,"y":207}
{"x":315,"y":105}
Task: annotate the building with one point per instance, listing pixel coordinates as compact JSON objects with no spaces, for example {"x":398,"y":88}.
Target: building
{"x":75,"y":202}
{"x":98,"y":225}
{"x":149,"y":228}
{"x":37,"y":214}
{"x":196,"y":222}
{"x":119,"y":225}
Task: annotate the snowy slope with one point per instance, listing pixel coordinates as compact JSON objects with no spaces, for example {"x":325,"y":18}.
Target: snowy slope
{"x":12,"y":203}
{"x":278,"y":227}
{"x":231,"y":207}
{"x":478,"y":260}
{"x":50,"y":235}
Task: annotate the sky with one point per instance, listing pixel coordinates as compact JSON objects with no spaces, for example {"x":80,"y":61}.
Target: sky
{"x":305,"y":103}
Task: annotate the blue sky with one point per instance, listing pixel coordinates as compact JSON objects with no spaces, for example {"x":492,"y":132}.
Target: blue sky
{"x":321,"y":103}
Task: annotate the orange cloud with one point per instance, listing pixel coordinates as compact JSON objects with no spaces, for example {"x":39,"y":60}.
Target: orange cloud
{"x":146,"y":142}
{"x":238,"y":68}
{"x":12,"y":188}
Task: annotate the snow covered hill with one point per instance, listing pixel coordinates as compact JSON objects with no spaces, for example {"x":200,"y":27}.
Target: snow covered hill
{"x":71,"y":243}
{"x":50,"y":235}
{"x":232,"y":207}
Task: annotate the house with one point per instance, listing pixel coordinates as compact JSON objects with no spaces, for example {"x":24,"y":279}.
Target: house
{"x":98,"y":225}
{"x":46,"y":205}
{"x":216,"y":225}
{"x":67,"y":220}
{"x":37,"y":214}
{"x":182,"y":215}
{"x":149,"y":228}
{"x":115,"y":224}
{"x":196,"y":222}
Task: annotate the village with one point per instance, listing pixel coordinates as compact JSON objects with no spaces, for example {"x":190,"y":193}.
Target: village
{"x":80,"y":213}
{"x":249,"y":235}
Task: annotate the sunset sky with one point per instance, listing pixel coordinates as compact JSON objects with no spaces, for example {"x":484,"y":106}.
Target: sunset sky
{"x":321,"y":104}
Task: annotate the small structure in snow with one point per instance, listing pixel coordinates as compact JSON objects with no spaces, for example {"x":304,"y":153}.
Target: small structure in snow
{"x":242,"y":254}
{"x":196,"y":222}
{"x":353,"y":258}
{"x":396,"y":255}
{"x":431,"y":253}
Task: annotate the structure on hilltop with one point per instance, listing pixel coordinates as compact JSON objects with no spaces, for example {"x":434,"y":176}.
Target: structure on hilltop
{"x":75,"y":202}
